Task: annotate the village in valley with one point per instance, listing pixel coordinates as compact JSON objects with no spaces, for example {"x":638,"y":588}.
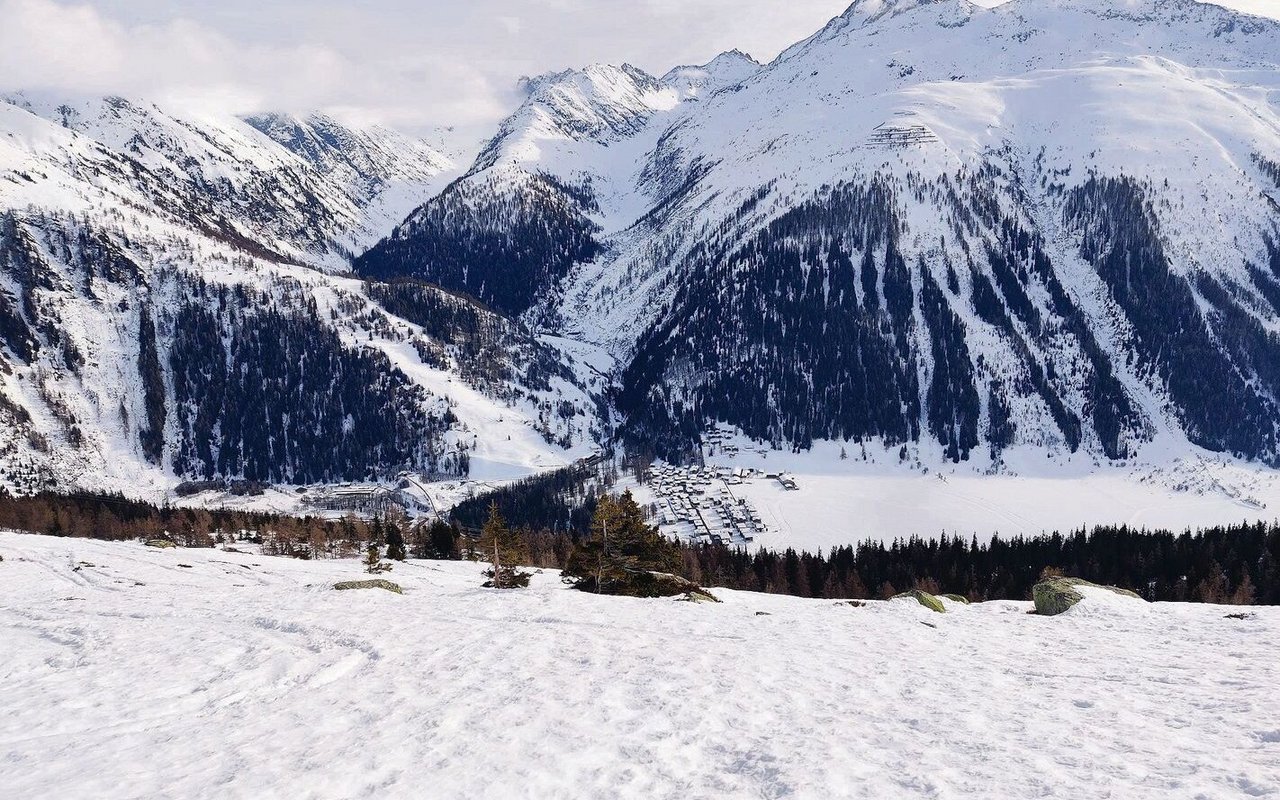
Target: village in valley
{"x":703,"y":503}
{"x":700,"y":503}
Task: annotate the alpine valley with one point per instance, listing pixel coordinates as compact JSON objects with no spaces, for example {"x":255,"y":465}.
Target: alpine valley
{"x":1023,"y":260}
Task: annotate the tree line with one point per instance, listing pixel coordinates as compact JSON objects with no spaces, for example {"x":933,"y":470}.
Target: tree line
{"x":1225,"y":564}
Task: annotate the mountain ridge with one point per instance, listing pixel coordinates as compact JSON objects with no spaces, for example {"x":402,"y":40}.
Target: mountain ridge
{"x":944,"y":232}
{"x":942,"y":122}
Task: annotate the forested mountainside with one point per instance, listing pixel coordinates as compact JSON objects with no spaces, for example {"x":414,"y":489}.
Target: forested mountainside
{"x":537,"y":229}
{"x":951,"y":232}
{"x":170,"y":309}
{"x":1052,"y":224}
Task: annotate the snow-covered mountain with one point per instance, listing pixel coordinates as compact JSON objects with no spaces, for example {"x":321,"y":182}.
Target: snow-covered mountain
{"x":558,"y":176}
{"x":310,"y":191}
{"x":1050,"y":225}
{"x":954,"y":234}
{"x":173,"y":306}
{"x":385,"y":172}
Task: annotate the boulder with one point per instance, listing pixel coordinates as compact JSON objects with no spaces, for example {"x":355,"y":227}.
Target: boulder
{"x":1056,"y":595}
{"x":160,"y":543}
{"x":664,"y":584}
{"x":376,"y":583}
{"x":699,"y":596}
{"x":957,"y":598}
{"x":925,"y":599}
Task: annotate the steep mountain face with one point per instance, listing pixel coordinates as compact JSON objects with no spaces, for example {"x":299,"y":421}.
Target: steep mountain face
{"x":385,"y":172}
{"x":1064,"y":286}
{"x":547,"y":188}
{"x":169,"y":310}
{"x":956,"y":230}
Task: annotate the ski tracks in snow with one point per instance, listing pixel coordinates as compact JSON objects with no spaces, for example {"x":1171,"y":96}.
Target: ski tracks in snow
{"x":246,"y":676}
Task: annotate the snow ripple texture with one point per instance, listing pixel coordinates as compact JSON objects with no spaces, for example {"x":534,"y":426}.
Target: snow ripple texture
{"x":126,"y":674}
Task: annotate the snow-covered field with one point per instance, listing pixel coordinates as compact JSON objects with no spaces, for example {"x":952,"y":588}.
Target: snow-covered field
{"x":829,"y":510}
{"x":132,"y":672}
{"x":870,"y":495}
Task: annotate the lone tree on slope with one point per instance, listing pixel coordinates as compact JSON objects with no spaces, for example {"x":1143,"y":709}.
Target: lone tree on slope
{"x":625,"y":555}
{"x":504,"y":549}
{"x":373,"y":563}
{"x":395,"y":540}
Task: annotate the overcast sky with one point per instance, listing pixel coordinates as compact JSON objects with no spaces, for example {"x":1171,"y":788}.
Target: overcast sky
{"x":408,"y":63}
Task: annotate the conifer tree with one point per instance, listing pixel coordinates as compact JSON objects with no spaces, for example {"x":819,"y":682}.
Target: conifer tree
{"x":395,"y":542}
{"x":624,"y":552}
{"x":373,"y":563}
{"x":444,"y":540}
{"x":505,"y":550}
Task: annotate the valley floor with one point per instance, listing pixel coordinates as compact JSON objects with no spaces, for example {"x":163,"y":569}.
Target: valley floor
{"x":133,"y":672}
{"x":845,"y":501}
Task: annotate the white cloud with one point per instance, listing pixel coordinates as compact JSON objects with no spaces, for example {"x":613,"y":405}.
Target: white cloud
{"x":412,"y":63}
{"x":408,"y":63}
{"x":185,"y":61}
{"x":1265,"y":8}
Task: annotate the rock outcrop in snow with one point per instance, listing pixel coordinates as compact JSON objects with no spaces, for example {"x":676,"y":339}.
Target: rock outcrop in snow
{"x":925,"y":599}
{"x":376,"y":583}
{"x":1059,"y":595}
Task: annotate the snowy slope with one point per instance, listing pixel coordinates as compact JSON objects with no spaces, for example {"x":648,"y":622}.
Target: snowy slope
{"x":165,"y":282}
{"x":570,"y":116}
{"x":318,"y":194}
{"x":1155,"y":89}
{"x":387,"y":172}
{"x":131,"y":672}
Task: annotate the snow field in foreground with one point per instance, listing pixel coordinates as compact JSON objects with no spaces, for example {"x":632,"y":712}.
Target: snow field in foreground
{"x":125,"y":674}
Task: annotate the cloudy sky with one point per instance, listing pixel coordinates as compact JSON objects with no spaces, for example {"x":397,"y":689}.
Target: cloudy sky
{"x":410,"y":63}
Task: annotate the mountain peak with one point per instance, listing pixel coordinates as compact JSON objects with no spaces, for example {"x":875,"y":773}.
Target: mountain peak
{"x":591,"y":79}
{"x":872,"y":10}
{"x":732,"y":57}
{"x":728,"y":68}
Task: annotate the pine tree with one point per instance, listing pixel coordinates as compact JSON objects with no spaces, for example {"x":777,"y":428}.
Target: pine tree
{"x":395,"y":542}
{"x":505,"y":550}
{"x":624,"y":554}
{"x":373,"y":563}
{"x":444,"y":540}
{"x":1245,"y":594}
